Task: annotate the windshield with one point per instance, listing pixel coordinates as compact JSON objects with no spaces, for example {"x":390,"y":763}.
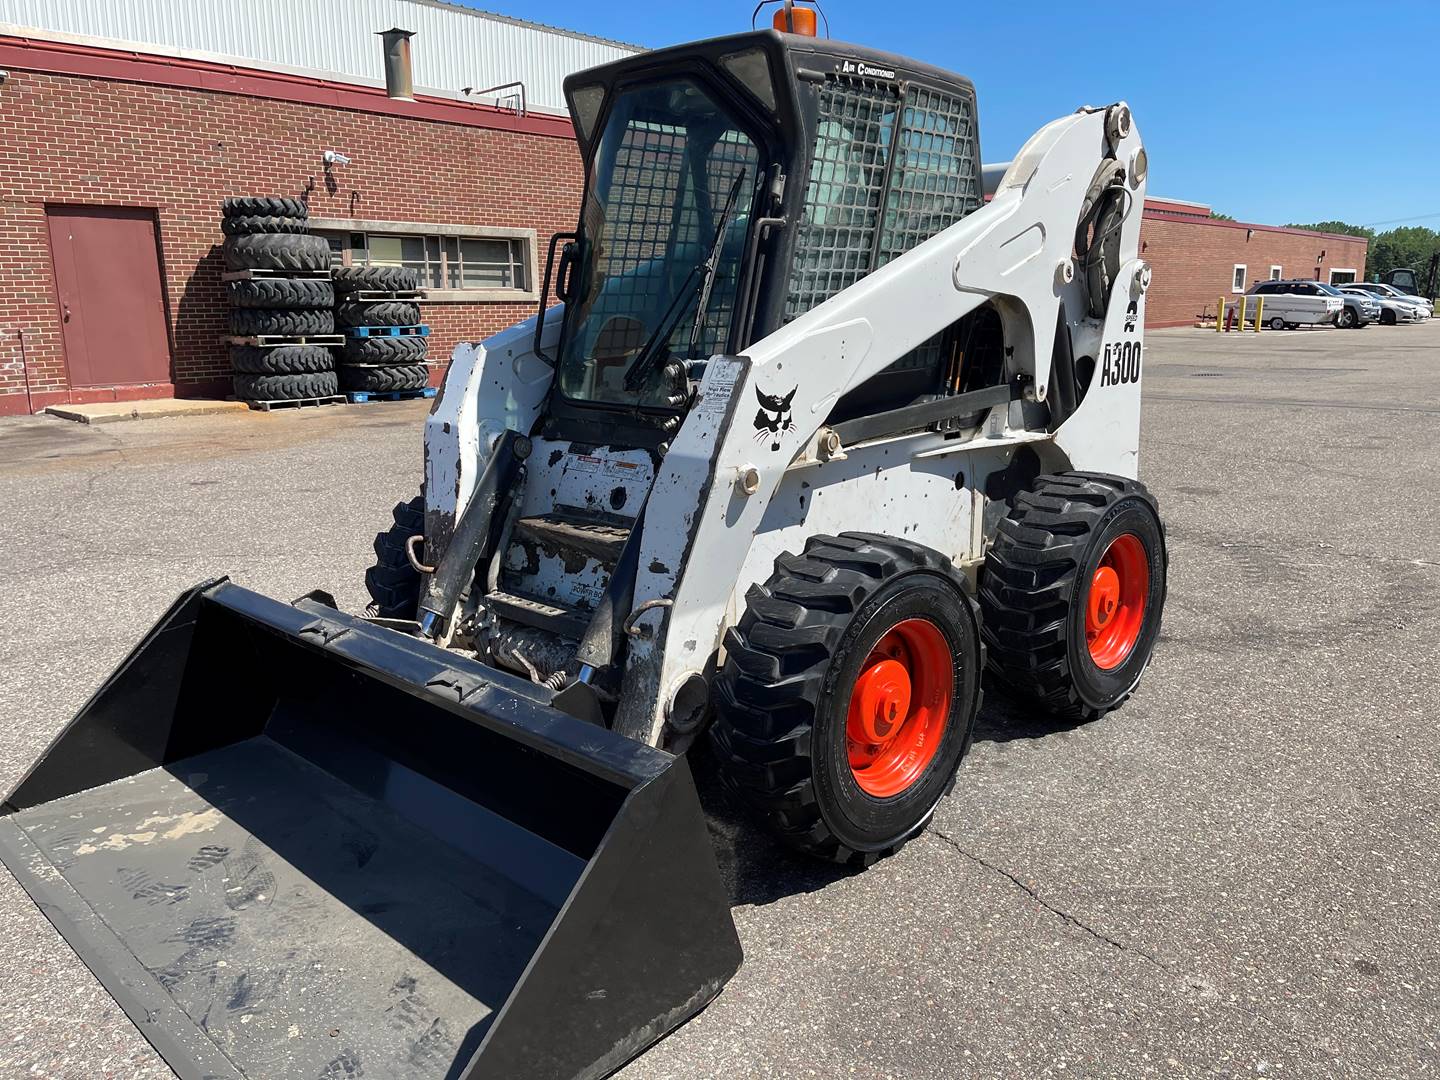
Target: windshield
{"x":1328,"y":290}
{"x":663,"y":170}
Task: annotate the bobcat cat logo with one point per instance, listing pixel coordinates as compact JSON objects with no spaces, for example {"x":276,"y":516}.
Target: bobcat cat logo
{"x":773,"y":417}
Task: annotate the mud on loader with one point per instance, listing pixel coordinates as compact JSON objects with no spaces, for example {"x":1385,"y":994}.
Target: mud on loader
{"x":815,"y":437}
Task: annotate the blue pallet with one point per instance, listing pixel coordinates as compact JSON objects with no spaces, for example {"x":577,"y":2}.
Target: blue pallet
{"x":360,"y":397}
{"x":388,"y":331}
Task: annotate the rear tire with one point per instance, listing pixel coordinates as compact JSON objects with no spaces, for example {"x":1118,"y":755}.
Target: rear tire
{"x":276,"y":251}
{"x":1278,"y":323}
{"x":275,"y":292}
{"x":1074,"y":538}
{"x":384,"y":351}
{"x":281,"y":359}
{"x":285,"y":387}
{"x":244,"y":225}
{"x":384,"y":379}
{"x":280,"y":321}
{"x":822,"y":646}
{"x":393,"y":583}
{"x":265,"y":206}
{"x":350,"y":279}
{"x":377,"y":313}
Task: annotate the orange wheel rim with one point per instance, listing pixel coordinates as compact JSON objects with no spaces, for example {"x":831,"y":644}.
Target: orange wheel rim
{"x":899,"y":708}
{"x":1115,"y":602}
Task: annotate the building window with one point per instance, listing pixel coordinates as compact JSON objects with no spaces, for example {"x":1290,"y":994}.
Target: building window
{"x":1237,"y":279}
{"x":1342,"y":275}
{"x":446,"y":258}
{"x":1275,"y":272}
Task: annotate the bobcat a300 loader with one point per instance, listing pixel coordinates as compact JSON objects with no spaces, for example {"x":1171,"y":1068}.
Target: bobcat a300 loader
{"x":816,"y":434}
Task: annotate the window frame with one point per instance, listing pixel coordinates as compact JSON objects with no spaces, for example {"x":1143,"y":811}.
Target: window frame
{"x":1277,"y":272}
{"x":528,"y":242}
{"x":1330,"y":278}
{"x":1242,"y":272}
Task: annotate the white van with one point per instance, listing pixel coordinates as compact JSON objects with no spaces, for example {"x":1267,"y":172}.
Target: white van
{"x":1289,"y":304}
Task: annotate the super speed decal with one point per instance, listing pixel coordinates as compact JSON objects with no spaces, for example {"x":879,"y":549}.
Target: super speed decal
{"x":1121,"y":364}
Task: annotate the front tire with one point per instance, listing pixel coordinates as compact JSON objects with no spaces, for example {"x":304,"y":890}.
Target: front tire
{"x":1073,"y":590}
{"x":1348,"y":319}
{"x":1387,"y":318}
{"x":394,"y":584}
{"x":849,"y":694}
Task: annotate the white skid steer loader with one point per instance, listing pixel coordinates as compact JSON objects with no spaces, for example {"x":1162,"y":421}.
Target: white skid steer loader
{"x":816,"y":437}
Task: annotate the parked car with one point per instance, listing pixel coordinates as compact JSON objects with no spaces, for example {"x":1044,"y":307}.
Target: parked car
{"x":1289,"y":304}
{"x":1395,"y":306}
{"x":1361,"y":309}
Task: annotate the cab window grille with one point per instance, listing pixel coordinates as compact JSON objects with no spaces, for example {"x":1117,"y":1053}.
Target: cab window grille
{"x":888,"y":173}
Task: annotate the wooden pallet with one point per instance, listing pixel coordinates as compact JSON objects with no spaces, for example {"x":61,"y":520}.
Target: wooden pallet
{"x":271,"y":341}
{"x":382,"y":294}
{"x":251,"y":275}
{"x":360,"y":397}
{"x":388,"y":331}
{"x":295,"y":403}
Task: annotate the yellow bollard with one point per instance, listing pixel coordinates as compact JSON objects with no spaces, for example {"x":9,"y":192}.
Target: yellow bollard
{"x":1220,"y":316}
{"x":1240,"y":326}
{"x":1259,"y":312}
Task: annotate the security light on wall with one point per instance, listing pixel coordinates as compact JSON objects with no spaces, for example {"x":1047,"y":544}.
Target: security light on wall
{"x":334,"y":157}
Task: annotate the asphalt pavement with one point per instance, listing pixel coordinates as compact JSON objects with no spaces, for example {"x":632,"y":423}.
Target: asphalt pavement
{"x":1234,"y":875}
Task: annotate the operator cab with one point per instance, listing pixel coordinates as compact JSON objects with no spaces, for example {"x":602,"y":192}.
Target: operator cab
{"x":731,"y":186}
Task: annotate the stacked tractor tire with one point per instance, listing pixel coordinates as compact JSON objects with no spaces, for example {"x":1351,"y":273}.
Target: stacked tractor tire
{"x":277,"y":283}
{"x":377,"y":310}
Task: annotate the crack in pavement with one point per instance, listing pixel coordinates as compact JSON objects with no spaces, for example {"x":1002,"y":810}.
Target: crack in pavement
{"x":1065,"y":915}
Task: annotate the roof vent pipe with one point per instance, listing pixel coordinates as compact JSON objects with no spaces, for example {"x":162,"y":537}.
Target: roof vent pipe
{"x":399,"y":75}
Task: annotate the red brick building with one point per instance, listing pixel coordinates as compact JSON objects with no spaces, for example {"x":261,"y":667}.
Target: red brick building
{"x":1196,"y":259}
{"x":118,"y":159}
{"x":116,"y":165}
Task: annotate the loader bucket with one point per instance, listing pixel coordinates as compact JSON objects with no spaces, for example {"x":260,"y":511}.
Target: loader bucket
{"x":295,"y":844}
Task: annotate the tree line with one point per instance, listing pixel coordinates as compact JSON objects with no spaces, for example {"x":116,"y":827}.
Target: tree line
{"x":1409,"y":245}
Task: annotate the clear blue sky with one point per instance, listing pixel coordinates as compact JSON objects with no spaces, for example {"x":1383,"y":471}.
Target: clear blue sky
{"x":1271,"y":112}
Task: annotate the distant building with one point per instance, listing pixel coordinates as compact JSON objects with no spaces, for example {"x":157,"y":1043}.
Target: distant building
{"x":127,"y":124}
{"x":1197,"y":259}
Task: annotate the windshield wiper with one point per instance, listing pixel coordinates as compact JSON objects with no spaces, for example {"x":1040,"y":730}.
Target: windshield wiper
{"x":703,"y":272}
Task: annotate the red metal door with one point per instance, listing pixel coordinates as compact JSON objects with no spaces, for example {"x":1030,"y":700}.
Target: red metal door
{"x":112,"y":304}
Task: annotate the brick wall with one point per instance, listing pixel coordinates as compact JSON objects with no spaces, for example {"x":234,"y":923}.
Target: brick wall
{"x":78,"y":140}
{"x":1193,"y":259}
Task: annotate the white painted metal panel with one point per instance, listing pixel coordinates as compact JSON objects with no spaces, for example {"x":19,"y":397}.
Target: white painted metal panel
{"x":454,"y":47}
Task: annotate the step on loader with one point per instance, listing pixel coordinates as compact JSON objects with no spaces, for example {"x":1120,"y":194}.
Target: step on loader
{"x":829,"y":421}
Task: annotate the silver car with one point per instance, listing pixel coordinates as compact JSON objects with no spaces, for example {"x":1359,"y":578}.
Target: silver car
{"x":1361,"y":309}
{"x":1395,"y":306}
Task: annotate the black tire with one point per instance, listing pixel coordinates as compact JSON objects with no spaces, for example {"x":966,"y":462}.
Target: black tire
{"x":393,"y":583}
{"x":384,"y":379}
{"x":1277,"y":323}
{"x":265,"y":206}
{"x":1387,"y":317}
{"x":383,"y":351}
{"x":276,"y":251}
{"x":1037,"y":581}
{"x":278,"y":292}
{"x":245,"y":226}
{"x":1349,"y":319}
{"x":285,"y":387}
{"x":783,"y":695}
{"x":281,"y":360}
{"x":281,"y":321}
{"x":350,"y":279}
{"x":377,"y":313}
